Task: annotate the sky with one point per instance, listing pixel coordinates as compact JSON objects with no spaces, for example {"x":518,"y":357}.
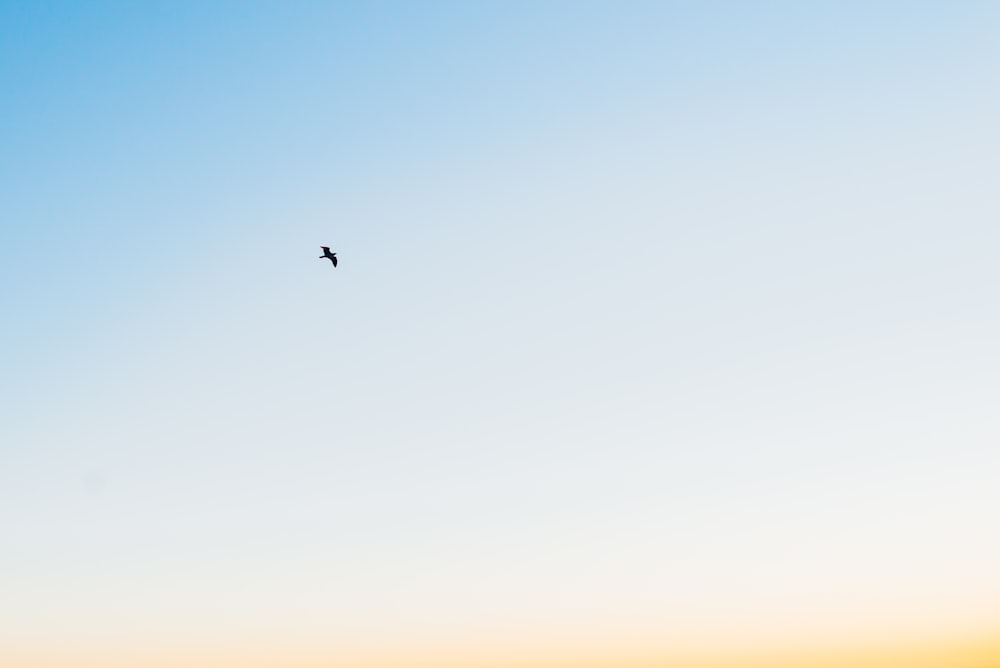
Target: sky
{"x":660,"y":328}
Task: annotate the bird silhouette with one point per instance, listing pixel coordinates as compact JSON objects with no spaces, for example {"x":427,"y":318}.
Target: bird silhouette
{"x":332,"y":257}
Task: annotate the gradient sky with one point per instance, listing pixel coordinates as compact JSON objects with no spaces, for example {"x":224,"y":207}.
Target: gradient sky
{"x":658,"y":326}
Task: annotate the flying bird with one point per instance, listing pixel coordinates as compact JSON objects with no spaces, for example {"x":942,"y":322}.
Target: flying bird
{"x":332,"y":257}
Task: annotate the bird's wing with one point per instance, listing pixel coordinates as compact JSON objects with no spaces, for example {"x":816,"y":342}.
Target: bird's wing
{"x":326,"y":248}
{"x":334,"y":260}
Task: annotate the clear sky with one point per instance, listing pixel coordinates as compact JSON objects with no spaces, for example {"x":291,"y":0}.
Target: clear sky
{"x":658,"y":327}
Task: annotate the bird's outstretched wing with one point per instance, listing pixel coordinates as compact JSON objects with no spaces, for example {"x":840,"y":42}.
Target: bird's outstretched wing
{"x":334,"y":260}
{"x":326,"y":248}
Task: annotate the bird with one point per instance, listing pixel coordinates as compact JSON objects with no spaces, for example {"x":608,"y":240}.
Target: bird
{"x":332,"y":257}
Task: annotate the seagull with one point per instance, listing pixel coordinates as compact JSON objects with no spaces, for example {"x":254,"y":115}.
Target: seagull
{"x":332,"y":257}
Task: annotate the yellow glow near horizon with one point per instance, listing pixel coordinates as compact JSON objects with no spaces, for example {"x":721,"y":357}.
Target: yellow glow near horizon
{"x":981,"y":652}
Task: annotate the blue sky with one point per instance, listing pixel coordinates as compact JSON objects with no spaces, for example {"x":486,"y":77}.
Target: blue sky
{"x":685,"y":309}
